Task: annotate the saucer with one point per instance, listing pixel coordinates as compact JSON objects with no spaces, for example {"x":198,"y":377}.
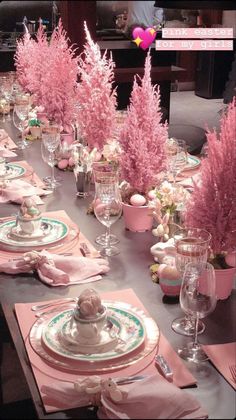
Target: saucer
{"x":16,"y":232}
{"x":108,"y":340}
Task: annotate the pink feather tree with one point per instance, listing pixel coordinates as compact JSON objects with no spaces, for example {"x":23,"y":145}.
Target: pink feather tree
{"x":24,"y":57}
{"x":143,"y":136}
{"x":96,"y":95}
{"x":213,"y":202}
{"x":57,"y":92}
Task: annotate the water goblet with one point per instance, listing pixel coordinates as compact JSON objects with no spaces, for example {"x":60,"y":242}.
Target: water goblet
{"x":50,"y":143}
{"x":177,"y":157}
{"x":191,"y":246}
{"x":198,"y":299}
{"x":99,"y":169}
{"x":107,"y":209}
{"x":20,"y":118}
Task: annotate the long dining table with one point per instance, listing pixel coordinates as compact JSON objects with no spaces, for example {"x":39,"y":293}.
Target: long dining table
{"x":128,"y":270}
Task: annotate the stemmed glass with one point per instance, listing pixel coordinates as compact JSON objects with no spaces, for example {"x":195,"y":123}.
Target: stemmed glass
{"x":107,"y":208}
{"x":177,"y":157}
{"x":50,"y":143}
{"x":20,"y":118}
{"x":100,"y":169}
{"x":191,"y":246}
{"x":198,"y":299}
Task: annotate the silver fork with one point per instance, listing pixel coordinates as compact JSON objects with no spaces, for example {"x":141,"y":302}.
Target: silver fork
{"x":232,"y":369}
{"x":52,"y":304}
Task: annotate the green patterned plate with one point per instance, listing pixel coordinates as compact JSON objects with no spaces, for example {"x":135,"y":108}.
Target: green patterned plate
{"x":131,"y":332}
{"x":14,"y":170}
{"x":192,"y":163}
{"x":57,"y":231}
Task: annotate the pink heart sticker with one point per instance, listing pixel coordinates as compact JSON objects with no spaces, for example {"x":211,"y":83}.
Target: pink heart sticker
{"x":143,"y":38}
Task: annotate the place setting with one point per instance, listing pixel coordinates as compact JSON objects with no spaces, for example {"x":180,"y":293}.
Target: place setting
{"x":6,"y":141}
{"x":92,"y":339}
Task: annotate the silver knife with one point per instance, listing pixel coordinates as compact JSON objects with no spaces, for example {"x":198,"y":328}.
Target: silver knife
{"x":129,"y":379}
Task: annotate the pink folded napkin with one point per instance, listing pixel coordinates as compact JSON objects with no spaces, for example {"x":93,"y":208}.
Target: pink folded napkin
{"x":5,"y":140}
{"x":57,"y":270}
{"x":189,"y":182}
{"x":16,"y":190}
{"x":222,"y":356}
{"x":5,"y":153}
{"x":152,"y":398}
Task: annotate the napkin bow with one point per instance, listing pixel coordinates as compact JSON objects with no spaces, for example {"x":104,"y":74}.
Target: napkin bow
{"x":152,"y":398}
{"x":58,"y":270}
{"x":17,"y":190}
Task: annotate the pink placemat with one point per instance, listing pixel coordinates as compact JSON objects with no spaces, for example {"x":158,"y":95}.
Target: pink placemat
{"x":70,"y":244}
{"x":5,"y":140}
{"x":30,"y":174}
{"x":222,"y":356}
{"x":45,"y":374}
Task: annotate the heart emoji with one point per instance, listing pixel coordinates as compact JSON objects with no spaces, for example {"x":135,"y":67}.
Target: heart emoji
{"x":144,"y":37}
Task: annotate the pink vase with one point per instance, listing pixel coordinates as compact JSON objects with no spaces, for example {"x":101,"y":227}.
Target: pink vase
{"x":137,"y":218}
{"x":224,"y":282}
{"x":67,"y":138}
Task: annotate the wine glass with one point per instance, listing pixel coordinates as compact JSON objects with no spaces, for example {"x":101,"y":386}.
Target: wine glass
{"x":20,"y":118}
{"x":177,"y":157}
{"x":198,"y":299}
{"x":99,"y":169}
{"x":50,"y":143}
{"x":191,"y":246}
{"x":107,"y":208}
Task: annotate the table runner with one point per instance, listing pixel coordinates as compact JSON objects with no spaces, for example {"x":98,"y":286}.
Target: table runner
{"x":67,"y":245}
{"x":45,"y":374}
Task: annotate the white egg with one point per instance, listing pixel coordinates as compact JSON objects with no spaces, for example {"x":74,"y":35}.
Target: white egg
{"x":152,"y":195}
{"x":137,"y":200}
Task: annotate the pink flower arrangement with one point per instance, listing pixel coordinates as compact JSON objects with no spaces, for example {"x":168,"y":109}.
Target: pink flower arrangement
{"x":213,"y":202}
{"x":96,"y":96}
{"x":143,"y":136}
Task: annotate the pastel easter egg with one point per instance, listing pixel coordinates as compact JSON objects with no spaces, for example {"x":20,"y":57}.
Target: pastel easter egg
{"x":169,"y":280}
{"x":151,"y":195}
{"x":231,"y":259}
{"x":62,"y":164}
{"x":71,"y":162}
{"x":137,"y":200}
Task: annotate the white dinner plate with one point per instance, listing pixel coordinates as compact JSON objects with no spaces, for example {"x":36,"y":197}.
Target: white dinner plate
{"x":13,"y":171}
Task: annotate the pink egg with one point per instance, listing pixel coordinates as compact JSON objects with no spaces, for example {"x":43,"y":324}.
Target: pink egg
{"x":231,"y":259}
{"x":137,"y":200}
{"x":152,"y":195}
{"x":71,"y":161}
{"x":169,"y":272}
{"x":62,"y":164}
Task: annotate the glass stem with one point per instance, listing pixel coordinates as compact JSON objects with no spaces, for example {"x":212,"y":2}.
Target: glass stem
{"x":107,"y":234}
{"x":195,"y":342}
{"x":52,"y":170}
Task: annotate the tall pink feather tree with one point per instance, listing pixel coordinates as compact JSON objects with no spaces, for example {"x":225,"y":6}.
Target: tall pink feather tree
{"x":213,"y":202}
{"x":24,"y":57}
{"x":143,"y":136}
{"x":96,"y":95}
{"x":58,"y":91}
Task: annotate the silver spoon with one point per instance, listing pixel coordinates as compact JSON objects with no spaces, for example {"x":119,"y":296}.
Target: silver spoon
{"x":48,"y":305}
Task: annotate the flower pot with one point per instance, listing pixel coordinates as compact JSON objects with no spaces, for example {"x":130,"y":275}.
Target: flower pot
{"x":67,"y":138}
{"x":137,"y":218}
{"x":224,"y":282}
{"x":36,"y":132}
